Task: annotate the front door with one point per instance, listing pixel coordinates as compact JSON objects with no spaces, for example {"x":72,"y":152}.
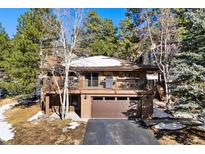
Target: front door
{"x":75,"y":102}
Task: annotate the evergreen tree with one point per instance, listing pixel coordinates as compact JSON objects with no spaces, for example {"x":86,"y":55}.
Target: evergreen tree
{"x":4,"y":45}
{"x":98,"y":36}
{"x":4,"y":51}
{"x":138,"y":17}
{"x":22,"y":64}
{"x":127,"y":40}
{"x":189,"y":64}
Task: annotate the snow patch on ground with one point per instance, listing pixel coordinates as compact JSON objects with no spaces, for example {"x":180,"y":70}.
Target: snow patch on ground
{"x":6,"y":130}
{"x":73,"y":125}
{"x":37,"y":116}
{"x":96,"y":61}
{"x":169,"y":126}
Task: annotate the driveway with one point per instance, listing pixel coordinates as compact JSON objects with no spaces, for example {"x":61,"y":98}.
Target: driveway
{"x":114,"y":131}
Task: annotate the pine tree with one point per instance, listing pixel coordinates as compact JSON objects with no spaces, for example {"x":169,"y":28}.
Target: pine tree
{"x":22,"y":64}
{"x":98,"y":36}
{"x":127,"y":40}
{"x":4,"y":51}
{"x":189,"y":65}
{"x":4,"y":44}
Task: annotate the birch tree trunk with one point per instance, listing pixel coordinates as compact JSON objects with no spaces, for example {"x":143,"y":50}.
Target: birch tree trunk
{"x":164,"y":47}
{"x":69,"y":21}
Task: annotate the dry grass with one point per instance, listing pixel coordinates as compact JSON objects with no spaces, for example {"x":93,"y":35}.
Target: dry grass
{"x":21,"y":114}
{"x":183,"y":137}
{"x":6,"y":101}
{"x":42,"y":131}
{"x":47,"y":133}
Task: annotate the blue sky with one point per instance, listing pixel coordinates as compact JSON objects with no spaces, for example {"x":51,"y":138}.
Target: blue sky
{"x":9,"y":17}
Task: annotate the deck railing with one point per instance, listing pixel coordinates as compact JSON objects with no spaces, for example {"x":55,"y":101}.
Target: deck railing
{"x":115,"y":84}
{"x":74,"y":83}
{"x":51,"y":84}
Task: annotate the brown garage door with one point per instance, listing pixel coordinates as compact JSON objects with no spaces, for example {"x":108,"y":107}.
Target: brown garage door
{"x":115,"y":107}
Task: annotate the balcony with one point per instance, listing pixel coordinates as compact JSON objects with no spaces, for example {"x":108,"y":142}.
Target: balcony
{"x":56,"y":84}
{"x":129,"y":84}
{"x":74,"y":84}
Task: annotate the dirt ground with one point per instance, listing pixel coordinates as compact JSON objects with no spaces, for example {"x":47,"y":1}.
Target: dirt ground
{"x":46,"y":133}
{"x":6,"y":101}
{"x":183,"y":137}
{"x":42,"y":132}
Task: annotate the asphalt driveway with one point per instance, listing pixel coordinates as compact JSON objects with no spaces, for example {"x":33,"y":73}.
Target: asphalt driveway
{"x":114,"y":132}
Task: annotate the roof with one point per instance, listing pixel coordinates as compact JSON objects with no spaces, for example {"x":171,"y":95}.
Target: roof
{"x":104,"y":63}
{"x":98,"y":61}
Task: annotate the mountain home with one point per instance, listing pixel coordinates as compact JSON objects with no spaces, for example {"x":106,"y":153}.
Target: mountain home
{"x":103,"y":87}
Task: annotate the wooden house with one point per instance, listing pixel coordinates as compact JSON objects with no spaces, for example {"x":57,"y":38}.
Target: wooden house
{"x":103,"y":87}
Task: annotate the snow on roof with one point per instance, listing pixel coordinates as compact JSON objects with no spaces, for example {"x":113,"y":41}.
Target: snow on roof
{"x":96,"y":61}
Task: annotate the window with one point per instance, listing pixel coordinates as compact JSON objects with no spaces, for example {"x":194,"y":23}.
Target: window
{"x":109,"y":81}
{"x":91,"y":79}
{"x":97,"y":98}
{"x":109,"y":98}
{"x":121,"y":98}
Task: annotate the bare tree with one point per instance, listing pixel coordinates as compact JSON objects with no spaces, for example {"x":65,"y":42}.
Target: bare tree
{"x":70,"y":21}
{"x":164,"y":46}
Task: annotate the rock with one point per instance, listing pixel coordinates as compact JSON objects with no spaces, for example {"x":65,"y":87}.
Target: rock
{"x":183,"y":115}
{"x":158,"y":113}
{"x":54,"y":116}
{"x":73,"y":116}
{"x":169,"y":126}
{"x":170,"y":121}
{"x":37,"y":116}
{"x":194,"y":123}
{"x":201,"y":128}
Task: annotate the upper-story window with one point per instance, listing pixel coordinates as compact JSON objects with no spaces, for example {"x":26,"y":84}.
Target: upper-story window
{"x":91,"y":79}
{"x":109,"y":81}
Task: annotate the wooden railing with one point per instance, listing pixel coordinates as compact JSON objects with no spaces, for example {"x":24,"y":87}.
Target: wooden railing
{"x":125,"y":84}
{"x":122,"y":84}
{"x":51,"y":85}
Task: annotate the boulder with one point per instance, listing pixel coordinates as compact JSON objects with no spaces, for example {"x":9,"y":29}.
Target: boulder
{"x":169,"y":126}
{"x":37,"y":116}
{"x":159,"y":113}
{"x":183,"y":115}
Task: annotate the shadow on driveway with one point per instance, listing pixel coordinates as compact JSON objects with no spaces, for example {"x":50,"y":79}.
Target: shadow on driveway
{"x":117,"y":132}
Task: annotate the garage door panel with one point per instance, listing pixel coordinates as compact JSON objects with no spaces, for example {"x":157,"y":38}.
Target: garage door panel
{"x":112,"y":108}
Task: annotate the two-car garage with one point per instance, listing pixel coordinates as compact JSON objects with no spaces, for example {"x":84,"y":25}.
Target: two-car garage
{"x":115,"y":107}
